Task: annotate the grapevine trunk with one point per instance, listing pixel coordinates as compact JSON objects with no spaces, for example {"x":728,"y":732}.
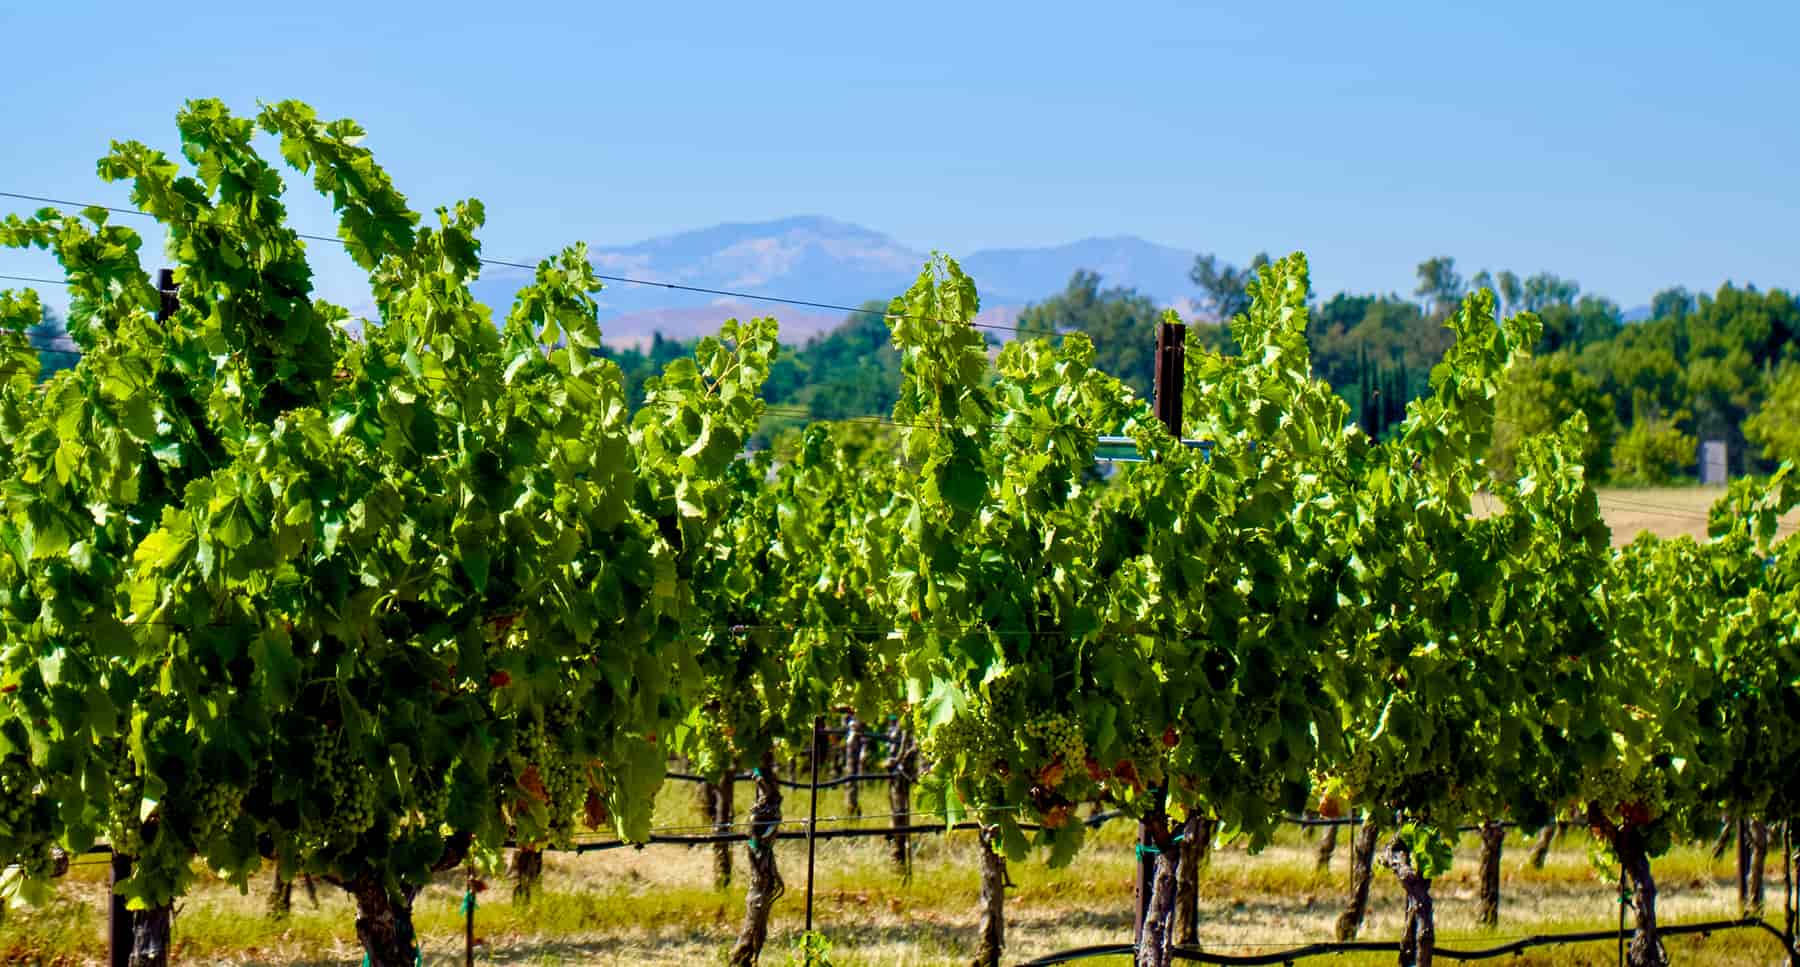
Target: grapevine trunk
{"x":724,"y":816}
{"x":904,"y":765}
{"x":855,"y":749}
{"x":1727,"y":831}
{"x":1540,"y":847}
{"x":1196,"y":843}
{"x":1153,"y":950}
{"x":1759,"y":855}
{"x":528,"y":869}
{"x":1327,"y":848}
{"x":1743,"y":863}
{"x":993,"y":900}
{"x":281,"y":897}
{"x":1362,"y":868}
{"x":1419,"y":941}
{"x":150,"y":936}
{"x":765,"y":879}
{"x":1493,"y":841}
{"x":1646,"y":948}
{"x":384,"y":922}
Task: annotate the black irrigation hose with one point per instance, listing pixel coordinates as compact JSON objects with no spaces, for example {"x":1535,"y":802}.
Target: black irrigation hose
{"x":1290,"y":955}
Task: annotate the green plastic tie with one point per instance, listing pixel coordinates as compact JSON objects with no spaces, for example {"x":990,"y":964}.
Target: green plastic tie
{"x":469,"y":904}
{"x":1143,"y":850}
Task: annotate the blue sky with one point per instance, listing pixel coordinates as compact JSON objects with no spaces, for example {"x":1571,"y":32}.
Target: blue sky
{"x":1629,"y":145}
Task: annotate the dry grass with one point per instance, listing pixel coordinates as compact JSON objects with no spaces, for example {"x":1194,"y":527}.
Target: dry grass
{"x":655,"y":907}
{"x":1663,"y":511}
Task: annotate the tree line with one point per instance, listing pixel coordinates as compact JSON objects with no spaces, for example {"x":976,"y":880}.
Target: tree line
{"x":1721,"y":366}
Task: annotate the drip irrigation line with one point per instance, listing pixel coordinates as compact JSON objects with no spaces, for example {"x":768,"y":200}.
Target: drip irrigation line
{"x":1292,"y":954}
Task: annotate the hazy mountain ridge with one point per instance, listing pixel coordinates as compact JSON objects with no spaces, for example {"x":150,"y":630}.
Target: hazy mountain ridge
{"x":821,"y":259}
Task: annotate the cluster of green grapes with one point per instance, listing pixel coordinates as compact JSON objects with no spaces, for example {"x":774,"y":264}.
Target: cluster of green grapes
{"x":983,"y":727}
{"x":214,"y":806}
{"x":1061,"y":738}
{"x":563,"y":779}
{"x":712,"y":753}
{"x":124,"y":826}
{"x":350,"y":789}
{"x":1007,"y":694}
{"x":18,"y":791}
{"x":971,"y":732}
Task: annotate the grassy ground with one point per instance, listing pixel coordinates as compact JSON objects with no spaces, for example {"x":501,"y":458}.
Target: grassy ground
{"x":655,"y":906}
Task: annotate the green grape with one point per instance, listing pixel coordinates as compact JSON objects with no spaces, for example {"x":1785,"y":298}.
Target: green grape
{"x":349,"y":790}
{"x":124,"y":827}
{"x":1060,"y":737}
{"x":214,"y":806}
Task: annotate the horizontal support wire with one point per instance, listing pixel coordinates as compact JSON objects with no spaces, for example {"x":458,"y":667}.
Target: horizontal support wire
{"x":621,"y":279}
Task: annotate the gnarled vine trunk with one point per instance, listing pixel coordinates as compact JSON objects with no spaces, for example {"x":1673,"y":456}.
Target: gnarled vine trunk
{"x":1540,"y":847}
{"x":724,"y":816}
{"x":1418,"y":942}
{"x":384,"y":922}
{"x":1362,"y":869}
{"x":150,"y":931}
{"x":1759,"y":857}
{"x":1195,"y":849}
{"x":1327,"y":848}
{"x":991,"y":944}
{"x":1727,"y":834}
{"x":1159,"y":908}
{"x":527,"y":870}
{"x":1630,"y":846}
{"x":1493,"y":841}
{"x":902,"y":768}
{"x":765,"y":879}
{"x":281,"y":897}
{"x":856,"y":746}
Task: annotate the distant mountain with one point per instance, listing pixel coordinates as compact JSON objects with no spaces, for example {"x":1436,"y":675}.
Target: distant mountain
{"x":1021,"y":275}
{"x":819,"y":259}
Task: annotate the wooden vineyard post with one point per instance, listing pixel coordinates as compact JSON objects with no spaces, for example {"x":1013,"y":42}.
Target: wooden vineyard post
{"x":1170,"y":359}
{"x":118,"y":918}
{"x":1171,"y":355}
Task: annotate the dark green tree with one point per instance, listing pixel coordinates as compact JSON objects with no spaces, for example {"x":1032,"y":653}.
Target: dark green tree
{"x":50,"y":338}
{"x":1225,"y":287}
{"x":1440,"y":285}
{"x":1121,"y":322}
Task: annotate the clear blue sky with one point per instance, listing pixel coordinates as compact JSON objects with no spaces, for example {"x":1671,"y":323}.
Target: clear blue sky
{"x":1628,"y":145}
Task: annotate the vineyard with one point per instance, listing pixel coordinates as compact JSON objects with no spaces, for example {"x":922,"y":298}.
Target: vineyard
{"x":372,"y":605}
